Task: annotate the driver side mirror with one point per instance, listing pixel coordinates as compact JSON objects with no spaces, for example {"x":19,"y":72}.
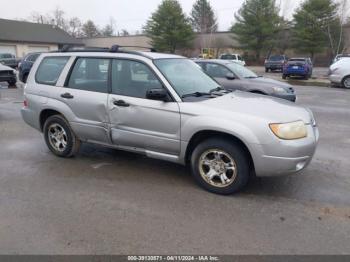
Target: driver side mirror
{"x":230,"y":76}
{"x":157,"y":94}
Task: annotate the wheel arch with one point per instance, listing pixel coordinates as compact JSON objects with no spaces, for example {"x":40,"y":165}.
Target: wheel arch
{"x":45,"y":114}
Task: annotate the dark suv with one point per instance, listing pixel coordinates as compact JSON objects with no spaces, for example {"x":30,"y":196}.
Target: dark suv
{"x":25,"y":65}
{"x":8,"y":60}
{"x":275,"y":62}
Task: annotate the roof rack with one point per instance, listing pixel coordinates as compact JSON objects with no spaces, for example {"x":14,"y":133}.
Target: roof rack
{"x":113,"y":49}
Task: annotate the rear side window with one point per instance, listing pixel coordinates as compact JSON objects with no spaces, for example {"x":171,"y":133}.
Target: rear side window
{"x":50,"y":70}
{"x":32,"y":58}
{"x":90,"y":74}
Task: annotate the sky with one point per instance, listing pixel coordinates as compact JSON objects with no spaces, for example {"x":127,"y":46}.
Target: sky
{"x":128,"y":14}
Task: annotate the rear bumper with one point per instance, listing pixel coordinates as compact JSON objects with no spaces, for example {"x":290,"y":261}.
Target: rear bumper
{"x":296,"y":72}
{"x":285,"y":157}
{"x":30,"y":118}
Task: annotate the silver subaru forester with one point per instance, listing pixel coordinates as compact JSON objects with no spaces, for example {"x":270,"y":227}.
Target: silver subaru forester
{"x":166,"y":107}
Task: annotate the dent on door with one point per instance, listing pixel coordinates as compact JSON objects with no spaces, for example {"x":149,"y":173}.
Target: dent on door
{"x":146,"y":124}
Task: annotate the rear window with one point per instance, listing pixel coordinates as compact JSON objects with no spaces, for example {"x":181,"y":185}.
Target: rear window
{"x":32,"y":58}
{"x":50,"y":70}
{"x":228,"y":57}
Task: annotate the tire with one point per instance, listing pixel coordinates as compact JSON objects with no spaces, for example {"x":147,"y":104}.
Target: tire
{"x":284,"y":76}
{"x":346,"y":82}
{"x":266,"y":70}
{"x":219,"y":153}
{"x":306,"y":77}
{"x":12,"y":83}
{"x":67,"y":144}
{"x":25,"y":78}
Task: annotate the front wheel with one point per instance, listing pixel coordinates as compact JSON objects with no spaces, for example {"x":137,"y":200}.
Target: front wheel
{"x":266,"y":70}
{"x":346,"y":82}
{"x":59,"y":137}
{"x":220,"y":166}
{"x":284,"y":76}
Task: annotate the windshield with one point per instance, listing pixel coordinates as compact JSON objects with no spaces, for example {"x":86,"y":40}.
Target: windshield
{"x":228,"y":57}
{"x":185,"y":76}
{"x":241,"y":71}
{"x":276,"y":58}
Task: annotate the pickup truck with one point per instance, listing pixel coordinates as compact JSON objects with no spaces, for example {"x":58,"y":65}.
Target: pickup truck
{"x":8,"y":60}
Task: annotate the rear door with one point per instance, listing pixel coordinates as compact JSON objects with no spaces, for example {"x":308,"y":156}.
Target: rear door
{"x":86,"y":93}
{"x":137,"y":122}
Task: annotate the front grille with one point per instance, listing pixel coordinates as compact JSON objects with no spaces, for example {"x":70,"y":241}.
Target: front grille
{"x":6,"y":73}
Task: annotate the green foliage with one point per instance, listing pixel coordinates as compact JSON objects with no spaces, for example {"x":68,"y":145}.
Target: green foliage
{"x":315,"y":26}
{"x":89,"y":29}
{"x":203,"y":18}
{"x":169,"y":28}
{"x":257,"y":23}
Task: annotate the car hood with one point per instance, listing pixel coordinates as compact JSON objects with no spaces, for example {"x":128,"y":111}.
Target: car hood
{"x":269,"y":82}
{"x":248,"y":105}
{"x":5,"y":68}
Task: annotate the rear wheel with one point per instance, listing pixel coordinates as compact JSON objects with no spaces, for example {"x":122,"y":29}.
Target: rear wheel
{"x":25,"y":78}
{"x":220,"y":166}
{"x":346,"y":82}
{"x":60,"y":138}
{"x":12,"y":83}
{"x":284,"y":76}
{"x":266,"y":70}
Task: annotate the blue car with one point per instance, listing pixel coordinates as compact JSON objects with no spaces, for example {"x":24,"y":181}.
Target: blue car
{"x":301,"y":67}
{"x":25,"y":65}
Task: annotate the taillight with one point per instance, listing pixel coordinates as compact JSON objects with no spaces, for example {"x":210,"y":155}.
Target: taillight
{"x":25,"y":103}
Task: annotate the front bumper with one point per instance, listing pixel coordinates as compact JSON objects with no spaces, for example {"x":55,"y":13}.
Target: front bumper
{"x":285,"y":156}
{"x":9,"y":78}
{"x":274,"y":66}
{"x":336,"y":79}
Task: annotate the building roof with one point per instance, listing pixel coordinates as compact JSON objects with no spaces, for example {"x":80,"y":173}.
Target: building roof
{"x":19,"y":31}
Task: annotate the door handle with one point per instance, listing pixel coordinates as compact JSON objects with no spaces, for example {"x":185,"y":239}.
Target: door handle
{"x":121,"y":103}
{"x":67,"y":96}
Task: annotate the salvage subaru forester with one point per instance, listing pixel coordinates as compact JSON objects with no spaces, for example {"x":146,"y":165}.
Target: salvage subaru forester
{"x":166,"y":107}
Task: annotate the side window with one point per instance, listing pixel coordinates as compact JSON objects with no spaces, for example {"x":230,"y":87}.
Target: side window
{"x":217,"y":71}
{"x":50,"y":70}
{"x":32,"y":58}
{"x":90,"y":74}
{"x":132,"y":78}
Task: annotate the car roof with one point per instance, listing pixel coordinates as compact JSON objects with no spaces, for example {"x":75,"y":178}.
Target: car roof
{"x":299,"y":58}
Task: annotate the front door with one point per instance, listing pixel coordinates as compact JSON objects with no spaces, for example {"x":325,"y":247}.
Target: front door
{"x":137,"y":122}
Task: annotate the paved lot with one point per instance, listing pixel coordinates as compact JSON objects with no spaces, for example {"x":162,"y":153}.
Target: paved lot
{"x":110,"y":202}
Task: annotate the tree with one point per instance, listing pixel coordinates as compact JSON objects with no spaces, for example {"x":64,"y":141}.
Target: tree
{"x":315,"y":26}
{"x":124,"y":32}
{"x":89,"y":29}
{"x":203,"y":18}
{"x":169,"y":28}
{"x":257,"y":24}
{"x":58,"y":19}
{"x":107,"y":31}
{"x":75,"y":27}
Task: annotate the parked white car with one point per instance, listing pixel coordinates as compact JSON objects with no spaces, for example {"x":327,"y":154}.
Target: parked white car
{"x":339,"y":73}
{"x":236,"y":58}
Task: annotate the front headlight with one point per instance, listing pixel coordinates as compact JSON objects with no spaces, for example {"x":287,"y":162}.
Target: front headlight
{"x":289,"y":131}
{"x":279,"y":90}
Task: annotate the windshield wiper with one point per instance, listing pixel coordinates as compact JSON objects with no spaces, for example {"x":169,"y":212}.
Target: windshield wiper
{"x":196,"y":94}
{"x":218,"y":89}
